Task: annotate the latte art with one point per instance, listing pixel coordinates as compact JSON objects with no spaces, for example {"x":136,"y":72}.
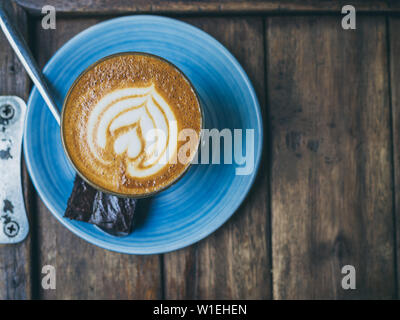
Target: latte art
{"x":138,"y":125}
{"x":120,"y":123}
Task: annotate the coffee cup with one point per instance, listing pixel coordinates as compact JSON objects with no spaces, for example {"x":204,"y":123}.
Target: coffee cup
{"x":131,"y":124}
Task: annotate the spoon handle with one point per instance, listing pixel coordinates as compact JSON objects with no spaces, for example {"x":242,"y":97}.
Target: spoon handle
{"x":25,"y":56}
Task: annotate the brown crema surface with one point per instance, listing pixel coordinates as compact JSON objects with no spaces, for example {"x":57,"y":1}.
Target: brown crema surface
{"x":120,"y":72}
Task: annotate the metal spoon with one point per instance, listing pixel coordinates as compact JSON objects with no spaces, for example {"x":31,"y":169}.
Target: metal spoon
{"x":25,"y":56}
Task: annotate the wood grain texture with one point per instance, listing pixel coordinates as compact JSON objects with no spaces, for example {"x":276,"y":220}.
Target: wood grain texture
{"x":201,"y":7}
{"x":394,"y":38}
{"x":15,"y":260}
{"x":331,"y":183}
{"x":85,"y":271}
{"x":232,"y":263}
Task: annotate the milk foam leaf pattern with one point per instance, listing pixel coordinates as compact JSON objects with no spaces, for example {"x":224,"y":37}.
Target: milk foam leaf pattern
{"x":137,"y":126}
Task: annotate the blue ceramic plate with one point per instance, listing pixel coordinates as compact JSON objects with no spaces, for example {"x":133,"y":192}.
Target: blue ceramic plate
{"x":208,"y":194}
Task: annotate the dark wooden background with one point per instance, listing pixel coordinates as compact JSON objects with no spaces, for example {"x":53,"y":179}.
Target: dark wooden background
{"x":327,"y":193}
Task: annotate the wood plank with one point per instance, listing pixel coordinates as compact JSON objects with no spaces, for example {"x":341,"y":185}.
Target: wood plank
{"x":232,"y":263}
{"x":85,"y":271}
{"x":394,"y":38}
{"x":15,"y":260}
{"x":331,"y":184}
{"x":201,"y":7}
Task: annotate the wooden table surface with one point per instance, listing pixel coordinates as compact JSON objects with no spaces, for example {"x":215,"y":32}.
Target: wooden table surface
{"x":326,"y":195}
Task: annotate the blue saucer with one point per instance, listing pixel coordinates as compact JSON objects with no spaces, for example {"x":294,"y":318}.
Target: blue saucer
{"x":208,"y":194}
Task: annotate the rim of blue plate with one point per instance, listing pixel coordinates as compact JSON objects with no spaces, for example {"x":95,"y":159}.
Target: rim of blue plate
{"x":219,"y":221}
